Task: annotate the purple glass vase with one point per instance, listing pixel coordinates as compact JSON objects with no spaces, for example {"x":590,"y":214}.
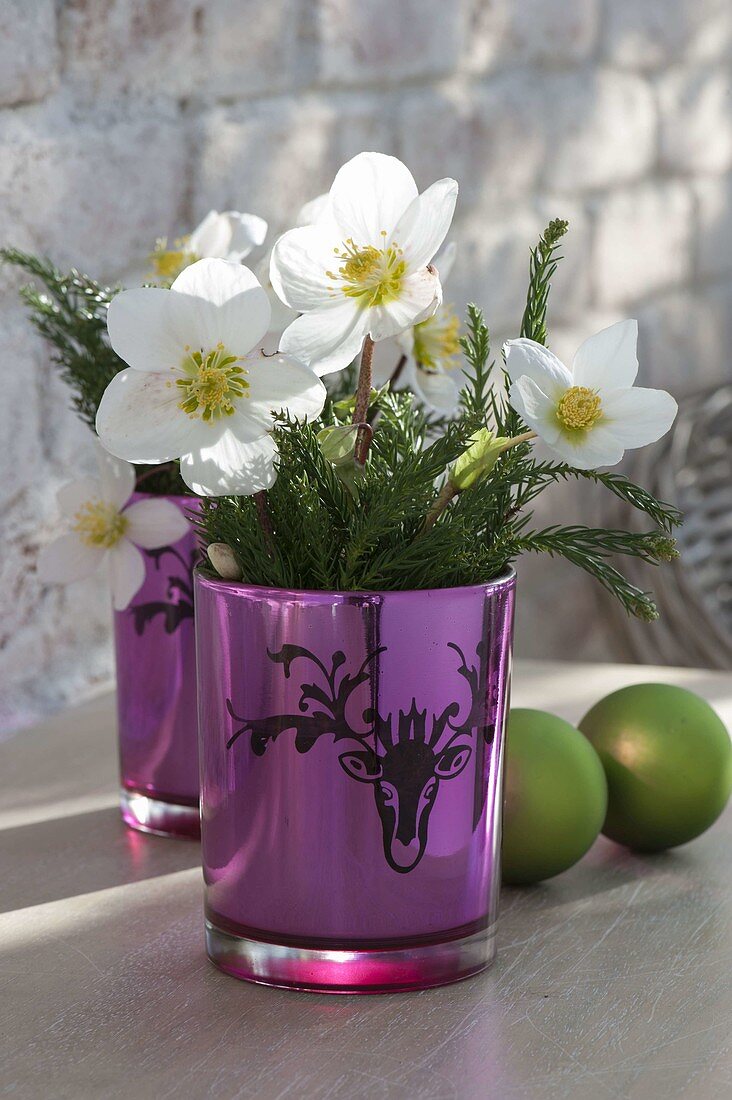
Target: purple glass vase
{"x":156,"y":692}
{"x":351,"y":752}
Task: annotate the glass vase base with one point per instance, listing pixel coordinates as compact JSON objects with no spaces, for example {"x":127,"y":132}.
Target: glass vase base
{"x":159,"y":816}
{"x":361,"y":970}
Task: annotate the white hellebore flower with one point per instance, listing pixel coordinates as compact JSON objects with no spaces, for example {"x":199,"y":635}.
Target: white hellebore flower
{"x":104,"y":527}
{"x":591,"y":414}
{"x":364,"y":266}
{"x":228,"y":236}
{"x":195,"y":389}
{"x":432,"y":348}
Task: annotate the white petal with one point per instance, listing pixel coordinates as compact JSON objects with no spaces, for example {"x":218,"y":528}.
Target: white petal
{"x":70,"y":498}
{"x":117,"y":477}
{"x":535,"y":408}
{"x":405,"y":341}
{"x":140,"y":329}
{"x":277,"y":382}
{"x":215,"y":280}
{"x":225,"y":302}
{"x":424,"y":225}
{"x":326,"y":340}
{"x":387,"y":355}
{"x":526,"y":357}
{"x":244,"y":321}
{"x":68,"y":559}
{"x":153,"y":523}
{"x":126,"y":573}
{"x":608,"y":359}
{"x":445,"y":261}
{"x":637,"y":416}
{"x":419,"y":297}
{"x":369,"y":195}
{"x":314,"y":210}
{"x":300,"y":260}
{"x":212,"y":237}
{"x":246,"y":424}
{"x":139,"y":419}
{"x":282,"y":316}
{"x":248,"y":231}
{"x":231,"y":467}
{"x":436,"y":390}
{"x":590,"y":449}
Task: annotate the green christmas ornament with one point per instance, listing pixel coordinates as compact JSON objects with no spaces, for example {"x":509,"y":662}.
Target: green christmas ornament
{"x":555,"y":796}
{"x":668,"y":761}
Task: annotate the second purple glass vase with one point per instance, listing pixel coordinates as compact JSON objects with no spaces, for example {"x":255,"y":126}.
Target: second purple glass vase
{"x":351,"y":776}
{"x":156,"y":693}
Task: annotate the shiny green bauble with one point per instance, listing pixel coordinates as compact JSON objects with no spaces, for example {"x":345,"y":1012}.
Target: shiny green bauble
{"x":555,"y":796}
{"x":668,"y":761}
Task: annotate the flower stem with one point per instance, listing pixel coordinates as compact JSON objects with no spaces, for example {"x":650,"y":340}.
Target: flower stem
{"x":164,"y":467}
{"x":446,"y":494}
{"x":265,"y":520}
{"x":523,"y":438}
{"x":363,"y":394}
{"x":449,"y":491}
{"x":398,"y":370}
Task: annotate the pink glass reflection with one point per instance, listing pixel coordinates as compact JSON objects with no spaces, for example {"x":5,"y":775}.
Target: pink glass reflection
{"x":156,"y":693}
{"x":351,"y":757}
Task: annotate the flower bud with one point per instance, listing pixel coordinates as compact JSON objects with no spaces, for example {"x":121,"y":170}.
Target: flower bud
{"x":477,"y":460}
{"x":338,"y":444}
{"x":347,"y":405}
{"x":222,"y":559}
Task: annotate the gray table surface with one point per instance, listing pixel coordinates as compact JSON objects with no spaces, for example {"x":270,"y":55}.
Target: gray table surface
{"x":612,"y":980}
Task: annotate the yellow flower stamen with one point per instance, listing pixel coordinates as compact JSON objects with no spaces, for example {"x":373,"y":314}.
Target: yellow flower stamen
{"x":169,"y":262}
{"x":437,"y":340}
{"x":99,"y":524}
{"x":212,"y":383}
{"x":579,"y":408}
{"x":371,"y":275}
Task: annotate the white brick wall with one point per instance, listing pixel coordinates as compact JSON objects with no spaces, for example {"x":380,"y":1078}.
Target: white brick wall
{"x":121,"y":120}
{"x":29,"y":54}
{"x":642,"y":241}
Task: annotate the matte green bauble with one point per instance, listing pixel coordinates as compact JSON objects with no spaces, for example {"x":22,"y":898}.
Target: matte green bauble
{"x":555,"y":796}
{"x":668,"y":761}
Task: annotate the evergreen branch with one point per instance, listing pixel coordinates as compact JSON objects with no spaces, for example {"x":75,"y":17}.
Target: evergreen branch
{"x":542,"y":267}
{"x":543,"y":264}
{"x":588,"y":549}
{"x":667,"y":516}
{"x":476,"y":345}
{"x":72,"y":316}
{"x":538,"y":476}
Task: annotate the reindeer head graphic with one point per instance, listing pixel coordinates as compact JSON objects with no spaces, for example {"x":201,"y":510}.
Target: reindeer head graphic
{"x":403,"y":759}
{"x":406,"y":776}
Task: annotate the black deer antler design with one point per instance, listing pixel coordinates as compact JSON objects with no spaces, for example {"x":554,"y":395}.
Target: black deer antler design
{"x":179,"y":605}
{"x":321,"y":711}
{"x":403,"y":760}
{"x":475,"y":676}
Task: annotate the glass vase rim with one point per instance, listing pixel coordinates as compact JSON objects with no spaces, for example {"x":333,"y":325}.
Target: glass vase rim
{"x":506,"y":580}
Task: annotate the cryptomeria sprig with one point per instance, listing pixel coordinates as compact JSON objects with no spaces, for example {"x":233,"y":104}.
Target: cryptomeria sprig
{"x":543,"y":263}
{"x":70,"y":312}
{"x":542,"y":266}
